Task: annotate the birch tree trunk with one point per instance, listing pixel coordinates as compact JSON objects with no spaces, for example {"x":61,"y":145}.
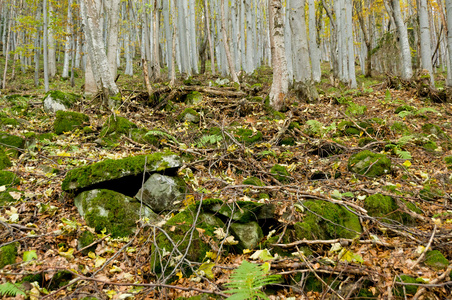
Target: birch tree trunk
{"x":280,"y":84}
{"x":226,"y":45}
{"x":90,"y":11}
{"x":112,"y":9}
{"x":449,"y":41}
{"x":45,"y":47}
{"x":405,"y":51}
{"x":156,"y":43}
{"x":51,"y":48}
{"x":350,"y":44}
{"x":207,"y":20}
{"x":67,"y":45}
{"x":313,"y":46}
{"x":426,"y":51}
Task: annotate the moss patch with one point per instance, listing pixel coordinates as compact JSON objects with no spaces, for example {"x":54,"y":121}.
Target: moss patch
{"x":380,"y":206}
{"x":321,"y":222}
{"x":433,"y":129}
{"x":118,"y":125}
{"x":253,"y":181}
{"x":112,"y":169}
{"x":410,"y":289}
{"x":67,"y":99}
{"x":5,"y":197}
{"x":4,"y":160}
{"x":349,"y":128}
{"x":247,"y":136}
{"x":189,"y":115}
{"x":85,"y":239}
{"x":436,"y":259}
{"x":67,"y":121}
{"x":370,"y":164}
{"x":280,"y":173}
{"x":14,"y":141}
{"x":8,"y":255}
{"x":8,"y":178}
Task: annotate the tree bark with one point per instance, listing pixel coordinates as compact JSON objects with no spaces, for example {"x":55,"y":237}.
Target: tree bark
{"x":449,"y":40}
{"x":226,"y":45}
{"x":280,"y":84}
{"x":67,"y":45}
{"x":426,"y":51}
{"x":45,"y":48}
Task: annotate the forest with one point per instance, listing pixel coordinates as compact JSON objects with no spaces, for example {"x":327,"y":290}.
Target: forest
{"x":225,"y":149}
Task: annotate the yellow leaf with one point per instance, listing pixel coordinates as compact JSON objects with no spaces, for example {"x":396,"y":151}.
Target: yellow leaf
{"x":63,"y":154}
{"x":211,"y":255}
{"x":68,"y":254}
{"x":407,"y":163}
{"x":245,"y":251}
{"x":99,"y":261}
{"x":206,"y":270}
{"x":179,"y":274}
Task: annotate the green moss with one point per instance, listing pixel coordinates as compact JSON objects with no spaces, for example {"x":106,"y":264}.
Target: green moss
{"x":190,"y":115}
{"x":369,"y":164}
{"x":398,"y":127}
{"x":6,"y":198}
{"x":433,"y":129}
{"x":349,"y":128}
{"x":430,"y":192}
{"x":67,"y":99}
{"x":67,"y":121}
{"x":142,"y":136}
{"x":112,"y":169}
{"x":381,"y":206}
{"x":278,"y":115}
{"x":8,"y":178}
{"x":118,"y":125}
{"x":430,"y":146}
{"x":9,"y":122}
{"x":405,"y":108}
{"x":61,"y":278}
{"x":448,"y":161}
{"x":34,"y":277}
{"x":14,"y":141}
{"x":321,"y":219}
{"x":8,"y":255}
{"x":253,"y":181}
{"x":193,"y":97}
{"x":177,"y":228}
{"x":4,"y":160}
{"x":242,"y":212}
{"x":436,"y":259}
{"x":294,"y":125}
{"x":47,"y":136}
{"x":287,"y":140}
{"x":280,"y":173}
{"x":410,"y":289}
{"x":247,"y":136}
{"x":85,"y":239}
{"x":364,"y":141}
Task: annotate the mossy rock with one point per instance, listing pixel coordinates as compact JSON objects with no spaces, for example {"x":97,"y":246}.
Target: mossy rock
{"x":287,"y":141}
{"x":193,"y":97}
{"x":4,"y":160}
{"x":240,"y":211}
{"x":8,"y":255}
{"x":432,"y":129}
{"x":381,"y":206}
{"x":399,"y":127}
{"x":9,"y":122}
{"x":67,"y":121}
{"x":277,"y":115}
{"x":280,"y":173}
{"x":14,"y":141}
{"x":109,"y":169}
{"x":247,"y":136}
{"x":86,"y":238}
{"x":57,"y":100}
{"x":321,"y":219}
{"x":436,"y":259}
{"x":369,"y":164}
{"x":430,"y":192}
{"x":410,"y":289}
{"x":365,"y":141}
{"x":349,"y":128}
{"x":8,"y":178}
{"x":61,"y":278}
{"x":177,"y":228}
{"x":448,"y":161}
{"x":189,"y":115}
{"x":430,"y":146}
{"x":117,"y":125}
{"x":115,"y":212}
{"x":294,"y":125}
{"x":253,"y":181}
{"x":6,"y":198}
{"x":248,"y":234}
{"x":47,"y":136}
{"x":144,"y":136}
{"x":405,"y":108}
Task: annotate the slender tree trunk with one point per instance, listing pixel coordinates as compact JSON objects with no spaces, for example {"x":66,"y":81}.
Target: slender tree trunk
{"x":426,"y":51}
{"x":313,"y":46}
{"x":173,"y":48}
{"x":280,"y":84}
{"x":449,"y":41}
{"x":51,"y":47}
{"x":67,"y":46}
{"x":407,"y":70}
{"x":112,"y":8}
{"x":155,"y":48}
{"x":45,"y":48}
{"x":226,"y":45}
{"x":207,"y":20}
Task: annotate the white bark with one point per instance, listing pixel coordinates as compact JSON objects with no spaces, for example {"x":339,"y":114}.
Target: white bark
{"x":67,"y":45}
{"x":314,"y":49}
{"x":426,"y":51}
{"x":45,"y":48}
{"x":51,"y":47}
{"x":280,"y":84}
{"x":226,"y":45}
{"x":405,"y":51}
{"x":90,"y":11}
{"x":449,"y":41}
{"x":112,"y":9}
{"x":300,"y":52}
{"x":350,"y":44}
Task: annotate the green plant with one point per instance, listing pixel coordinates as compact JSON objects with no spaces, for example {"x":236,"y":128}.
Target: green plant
{"x":162,"y":133}
{"x":355,"y":109}
{"x":248,"y":280}
{"x":212,"y":139}
{"x":11,"y":289}
{"x":317,"y":128}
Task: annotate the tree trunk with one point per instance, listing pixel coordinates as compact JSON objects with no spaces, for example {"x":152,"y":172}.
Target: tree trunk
{"x":51,"y":47}
{"x":207,"y":20}
{"x":112,"y":9}
{"x":280,"y":84}
{"x":449,"y":40}
{"x":426,"y":51}
{"x":226,"y":45}
{"x":45,"y":48}
{"x":67,"y":45}
{"x":90,"y":11}
{"x":313,"y":46}
{"x":407,"y":70}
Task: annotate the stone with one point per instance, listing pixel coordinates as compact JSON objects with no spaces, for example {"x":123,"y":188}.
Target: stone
{"x":67,"y":121}
{"x":8,"y":255}
{"x":249,"y":234}
{"x":113,"y":211}
{"x":59,"y":101}
{"x":17,"y":143}
{"x":436,"y":260}
{"x":381,"y":206}
{"x":189,"y":115}
{"x":162,"y":192}
{"x":280,"y":173}
{"x":110,"y":170}
{"x":369,"y":164}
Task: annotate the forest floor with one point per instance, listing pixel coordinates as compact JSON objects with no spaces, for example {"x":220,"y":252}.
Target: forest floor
{"x":45,"y":222}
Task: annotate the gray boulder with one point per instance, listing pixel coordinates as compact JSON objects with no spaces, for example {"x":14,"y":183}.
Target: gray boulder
{"x":55,"y":101}
{"x":248,"y":234}
{"x":113,"y":211}
{"x":162,"y":192}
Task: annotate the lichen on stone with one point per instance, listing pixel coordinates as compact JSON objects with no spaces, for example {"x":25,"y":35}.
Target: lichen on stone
{"x":67,"y":121}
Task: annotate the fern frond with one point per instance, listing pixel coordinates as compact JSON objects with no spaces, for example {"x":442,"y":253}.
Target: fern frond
{"x":162,"y":133}
{"x":212,"y":139}
{"x":11,"y":289}
{"x":247,"y":281}
{"x":404,"y":140}
{"x":315,"y":126}
{"x":404,"y":114}
{"x":427,"y":109}
{"x":403,"y":154}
